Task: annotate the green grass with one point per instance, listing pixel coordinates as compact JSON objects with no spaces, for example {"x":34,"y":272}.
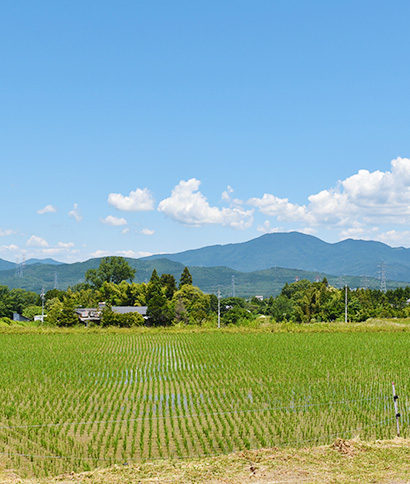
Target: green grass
{"x":77,"y":400}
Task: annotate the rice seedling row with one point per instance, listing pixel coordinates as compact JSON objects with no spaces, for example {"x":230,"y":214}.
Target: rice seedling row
{"x":74,"y":402}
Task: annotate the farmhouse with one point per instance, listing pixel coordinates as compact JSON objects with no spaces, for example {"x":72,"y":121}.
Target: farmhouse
{"x":86,"y":315}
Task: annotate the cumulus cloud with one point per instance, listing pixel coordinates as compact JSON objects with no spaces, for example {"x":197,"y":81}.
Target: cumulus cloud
{"x":280,"y":208}
{"x":6,"y":232}
{"x":266,"y":228}
{"x":395,"y":237}
{"x":47,"y":209}
{"x":139,"y":200}
{"x":114,"y":221}
{"x":147,"y":232}
{"x":75,"y":213}
{"x":361,"y":200}
{"x":11,"y":247}
{"x":190,"y":207}
{"x":36,"y":241}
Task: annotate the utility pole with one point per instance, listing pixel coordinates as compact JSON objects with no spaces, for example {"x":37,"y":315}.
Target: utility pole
{"x":219,"y":308}
{"x":345,"y":303}
{"x":382,"y":272}
{"x":42,"y":305}
{"x":396,"y":410}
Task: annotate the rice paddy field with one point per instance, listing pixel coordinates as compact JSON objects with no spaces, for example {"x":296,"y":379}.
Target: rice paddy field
{"x":79,"y":401}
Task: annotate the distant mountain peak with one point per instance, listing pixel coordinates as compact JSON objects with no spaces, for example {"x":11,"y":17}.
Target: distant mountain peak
{"x":43,"y":261}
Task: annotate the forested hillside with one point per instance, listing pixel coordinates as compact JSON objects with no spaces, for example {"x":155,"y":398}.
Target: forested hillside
{"x":304,"y":252}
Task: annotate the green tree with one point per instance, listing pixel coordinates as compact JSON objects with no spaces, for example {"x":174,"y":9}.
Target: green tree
{"x":61,"y":313}
{"x":168,"y":284}
{"x":112,"y":269}
{"x":128,"y":320}
{"x":281,"y":308}
{"x":191,"y":305}
{"x":31,"y":311}
{"x":159,"y":312}
{"x":186,"y":278}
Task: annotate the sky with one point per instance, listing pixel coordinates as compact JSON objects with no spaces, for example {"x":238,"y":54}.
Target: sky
{"x":139,"y":127}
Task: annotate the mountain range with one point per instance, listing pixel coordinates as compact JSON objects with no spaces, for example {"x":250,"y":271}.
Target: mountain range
{"x":260,"y":266}
{"x":300,"y":251}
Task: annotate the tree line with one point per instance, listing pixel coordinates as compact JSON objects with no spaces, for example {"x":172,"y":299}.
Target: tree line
{"x":169,"y":303}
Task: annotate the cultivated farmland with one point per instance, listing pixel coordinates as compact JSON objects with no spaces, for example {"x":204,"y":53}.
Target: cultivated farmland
{"x":79,"y":401}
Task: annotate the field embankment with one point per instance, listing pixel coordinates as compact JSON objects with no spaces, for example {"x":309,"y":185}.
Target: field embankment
{"x":342,"y":462}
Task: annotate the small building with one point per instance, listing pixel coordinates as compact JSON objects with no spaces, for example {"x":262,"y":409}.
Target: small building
{"x":86,"y":315}
{"x":19,"y":317}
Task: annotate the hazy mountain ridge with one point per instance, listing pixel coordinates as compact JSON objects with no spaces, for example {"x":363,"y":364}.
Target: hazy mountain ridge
{"x":268,"y":282}
{"x":304,"y":252}
{"x":260,"y":266}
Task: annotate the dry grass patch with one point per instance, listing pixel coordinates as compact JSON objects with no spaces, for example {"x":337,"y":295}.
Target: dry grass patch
{"x":343,"y":462}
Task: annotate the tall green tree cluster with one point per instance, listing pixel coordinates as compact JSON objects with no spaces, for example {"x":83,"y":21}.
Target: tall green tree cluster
{"x":170,"y":302}
{"x":306,"y":301}
{"x":112,"y":269}
{"x":17,"y":301}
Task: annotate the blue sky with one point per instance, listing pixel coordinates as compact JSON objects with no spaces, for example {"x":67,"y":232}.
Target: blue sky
{"x":138,"y":127}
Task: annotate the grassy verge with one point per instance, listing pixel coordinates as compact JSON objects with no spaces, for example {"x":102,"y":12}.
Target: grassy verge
{"x":371,"y":325}
{"x":342,"y":462}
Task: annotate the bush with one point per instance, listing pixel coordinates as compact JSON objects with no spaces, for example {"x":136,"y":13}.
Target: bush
{"x":5,"y":322}
{"x":128,"y":320}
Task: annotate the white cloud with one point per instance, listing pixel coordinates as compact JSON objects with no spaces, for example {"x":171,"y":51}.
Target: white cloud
{"x":125,"y":231}
{"x":280,"y":208}
{"x":47,"y":209}
{"x":358,"y":202}
{"x":395,"y":238}
{"x":147,"y":232}
{"x":139,"y":200}
{"x":66,"y":245}
{"x":52,"y":251}
{"x":308,"y":230}
{"x":189,"y":206}
{"x":142,"y":253}
{"x":123,"y":253}
{"x":101,"y":253}
{"x":266,"y":228}
{"x":6,"y":232}
{"x":114,"y":221}
{"x":127,"y":253}
{"x":75,"y":213}
{"x":11,"y":247}
{"x":36,"y":241}
{"x":226,"y":195}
